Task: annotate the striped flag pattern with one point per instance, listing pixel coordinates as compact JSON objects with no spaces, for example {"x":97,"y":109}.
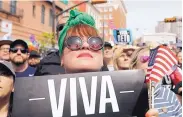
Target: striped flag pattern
{"x":111,"y":24}
{"x":161,"y":62}
{"x":166,"y":102}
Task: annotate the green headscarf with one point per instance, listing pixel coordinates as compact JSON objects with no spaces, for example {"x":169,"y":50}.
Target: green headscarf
{"x":75,"y":18}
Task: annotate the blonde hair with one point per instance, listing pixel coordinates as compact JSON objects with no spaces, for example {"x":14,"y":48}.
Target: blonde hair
{"x":135,"y":56}
{"x":118,"y":50}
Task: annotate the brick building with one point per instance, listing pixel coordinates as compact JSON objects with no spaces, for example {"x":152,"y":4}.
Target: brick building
{"x":23,"y":19}
{"x":113,"y":15}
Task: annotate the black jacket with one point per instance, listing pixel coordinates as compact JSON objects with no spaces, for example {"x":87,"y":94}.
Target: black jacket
{"x":50,"y":65}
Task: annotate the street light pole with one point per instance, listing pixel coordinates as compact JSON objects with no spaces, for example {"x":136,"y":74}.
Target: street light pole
{"x":56,"y":16}
{"x":53,"y":23}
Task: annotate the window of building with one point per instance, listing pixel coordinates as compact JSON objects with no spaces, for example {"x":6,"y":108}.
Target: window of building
{"x":42,"y":13}
{"x":106,"y":32}
{"x":105,"y":16}
{"x":110,"y":9}
{"x":101,"y":10}
{"x":51,"y":18}
{"x":110,"y":16}
{"x":105,"y":9}
{"x":111,"y":32}
{"x":33,"y":10}
{"x":105,"y":24}
{"x":13,"y":7}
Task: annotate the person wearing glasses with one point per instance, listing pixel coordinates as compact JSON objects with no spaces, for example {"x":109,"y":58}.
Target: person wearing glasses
{"x":166,"y":101}
{"x":81,"y":47}
{"x":4,"y":49}
{"x":19,"y":54}
{"x":7,"y":79}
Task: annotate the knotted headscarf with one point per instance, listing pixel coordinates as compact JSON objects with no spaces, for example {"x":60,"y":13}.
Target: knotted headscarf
{"x":75,"y":18}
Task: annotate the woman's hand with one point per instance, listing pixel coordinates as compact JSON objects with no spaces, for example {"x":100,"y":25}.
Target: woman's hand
{"x":152,"y":113}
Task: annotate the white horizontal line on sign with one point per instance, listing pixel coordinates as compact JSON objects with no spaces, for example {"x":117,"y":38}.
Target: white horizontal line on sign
{"x":34,"y":99}
{"x":126,"y":91}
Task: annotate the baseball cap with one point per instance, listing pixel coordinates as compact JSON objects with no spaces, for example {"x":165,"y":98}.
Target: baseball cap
{"x":5,"y":41}
{"x":107,"y":44}
{"x":9,"y":66}
{"x":19,"y":42}
{"x":34,"y":53}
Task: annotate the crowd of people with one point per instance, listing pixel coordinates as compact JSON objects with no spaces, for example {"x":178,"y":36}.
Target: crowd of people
{"x":81,"y":49}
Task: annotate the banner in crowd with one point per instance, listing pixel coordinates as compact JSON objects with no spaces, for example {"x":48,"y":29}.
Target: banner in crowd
{"x":95,"y":94}
{"x":122,"y":36}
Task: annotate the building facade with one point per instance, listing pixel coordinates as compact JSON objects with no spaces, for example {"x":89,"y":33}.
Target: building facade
{"x":27,"y":19}
{"x":113,"y":16}
{"x":170,"y":25}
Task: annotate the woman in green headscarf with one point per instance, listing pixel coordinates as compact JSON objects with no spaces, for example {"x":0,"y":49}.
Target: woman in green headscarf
{"x":81,"y":47}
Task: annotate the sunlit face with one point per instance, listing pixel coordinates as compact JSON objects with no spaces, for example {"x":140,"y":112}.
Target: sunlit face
{"x":179,"y":56}
{"x":108,"y":52}
{"x":82,"y":60}
{"x":33,"y":61}
{"x":4,"y":52}
{"x":18,"y":57}
{"x":140,"y":64}
{"x":124,"y":60}
{"x":6,"y":86}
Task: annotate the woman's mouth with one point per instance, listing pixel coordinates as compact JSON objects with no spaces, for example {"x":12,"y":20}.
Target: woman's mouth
{"x":85,"y":55}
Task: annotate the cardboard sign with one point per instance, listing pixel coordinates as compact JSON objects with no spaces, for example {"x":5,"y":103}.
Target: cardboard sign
{"x":95,"y":94}
{"x":122,"y":36}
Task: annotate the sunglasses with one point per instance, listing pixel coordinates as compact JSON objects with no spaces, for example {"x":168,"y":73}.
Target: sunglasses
{"x":144,"y":59}
{"x":76,"y":43}
{"x":15,"y":50}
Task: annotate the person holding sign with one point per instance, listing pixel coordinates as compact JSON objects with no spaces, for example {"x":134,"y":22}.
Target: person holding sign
{"x":81,"y":47}
{"x":7,"y":77}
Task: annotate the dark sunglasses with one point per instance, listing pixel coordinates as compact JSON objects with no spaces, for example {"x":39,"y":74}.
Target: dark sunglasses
{"x":15,"y":50}
{"x":76,"y":43}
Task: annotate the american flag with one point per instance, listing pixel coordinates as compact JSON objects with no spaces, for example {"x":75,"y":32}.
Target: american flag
{"x":162,"y":59}
{"x":111,"y":24}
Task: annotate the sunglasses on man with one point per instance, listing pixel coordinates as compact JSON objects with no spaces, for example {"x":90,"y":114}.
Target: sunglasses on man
{"x":76,"y":43}
{"x":15,"y":50}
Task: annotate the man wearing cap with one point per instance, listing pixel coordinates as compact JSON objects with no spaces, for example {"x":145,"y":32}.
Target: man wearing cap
{"x":4,"y":49}
{"x":19,"y":55}
{"x":34,"y":58}
{"x":7,"y":77}
{"x":108,"y":56}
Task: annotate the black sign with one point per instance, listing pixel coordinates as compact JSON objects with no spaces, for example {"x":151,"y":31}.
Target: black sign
{"x":96,"y":94}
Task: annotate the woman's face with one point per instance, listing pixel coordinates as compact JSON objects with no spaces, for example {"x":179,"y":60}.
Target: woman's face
{"x":124,"y":60}
{"x":82,"y":60}
{"x":179,"y":56}
{"x":142,"y":60}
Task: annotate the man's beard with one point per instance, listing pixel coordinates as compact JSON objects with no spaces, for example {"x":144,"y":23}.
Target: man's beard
{"x":18,"y":63}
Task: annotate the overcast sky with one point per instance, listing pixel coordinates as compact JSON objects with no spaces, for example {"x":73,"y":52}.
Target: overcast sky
{"x":144,"y":14}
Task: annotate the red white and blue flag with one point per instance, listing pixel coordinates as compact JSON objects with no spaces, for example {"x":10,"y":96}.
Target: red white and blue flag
{"x":162,"y":60}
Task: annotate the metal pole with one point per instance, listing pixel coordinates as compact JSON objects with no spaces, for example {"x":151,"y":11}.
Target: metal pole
{"x":70,"y":8}
{"x":103,"y":28}
{"x":53,"y":25}
{"x":57,"y":15}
